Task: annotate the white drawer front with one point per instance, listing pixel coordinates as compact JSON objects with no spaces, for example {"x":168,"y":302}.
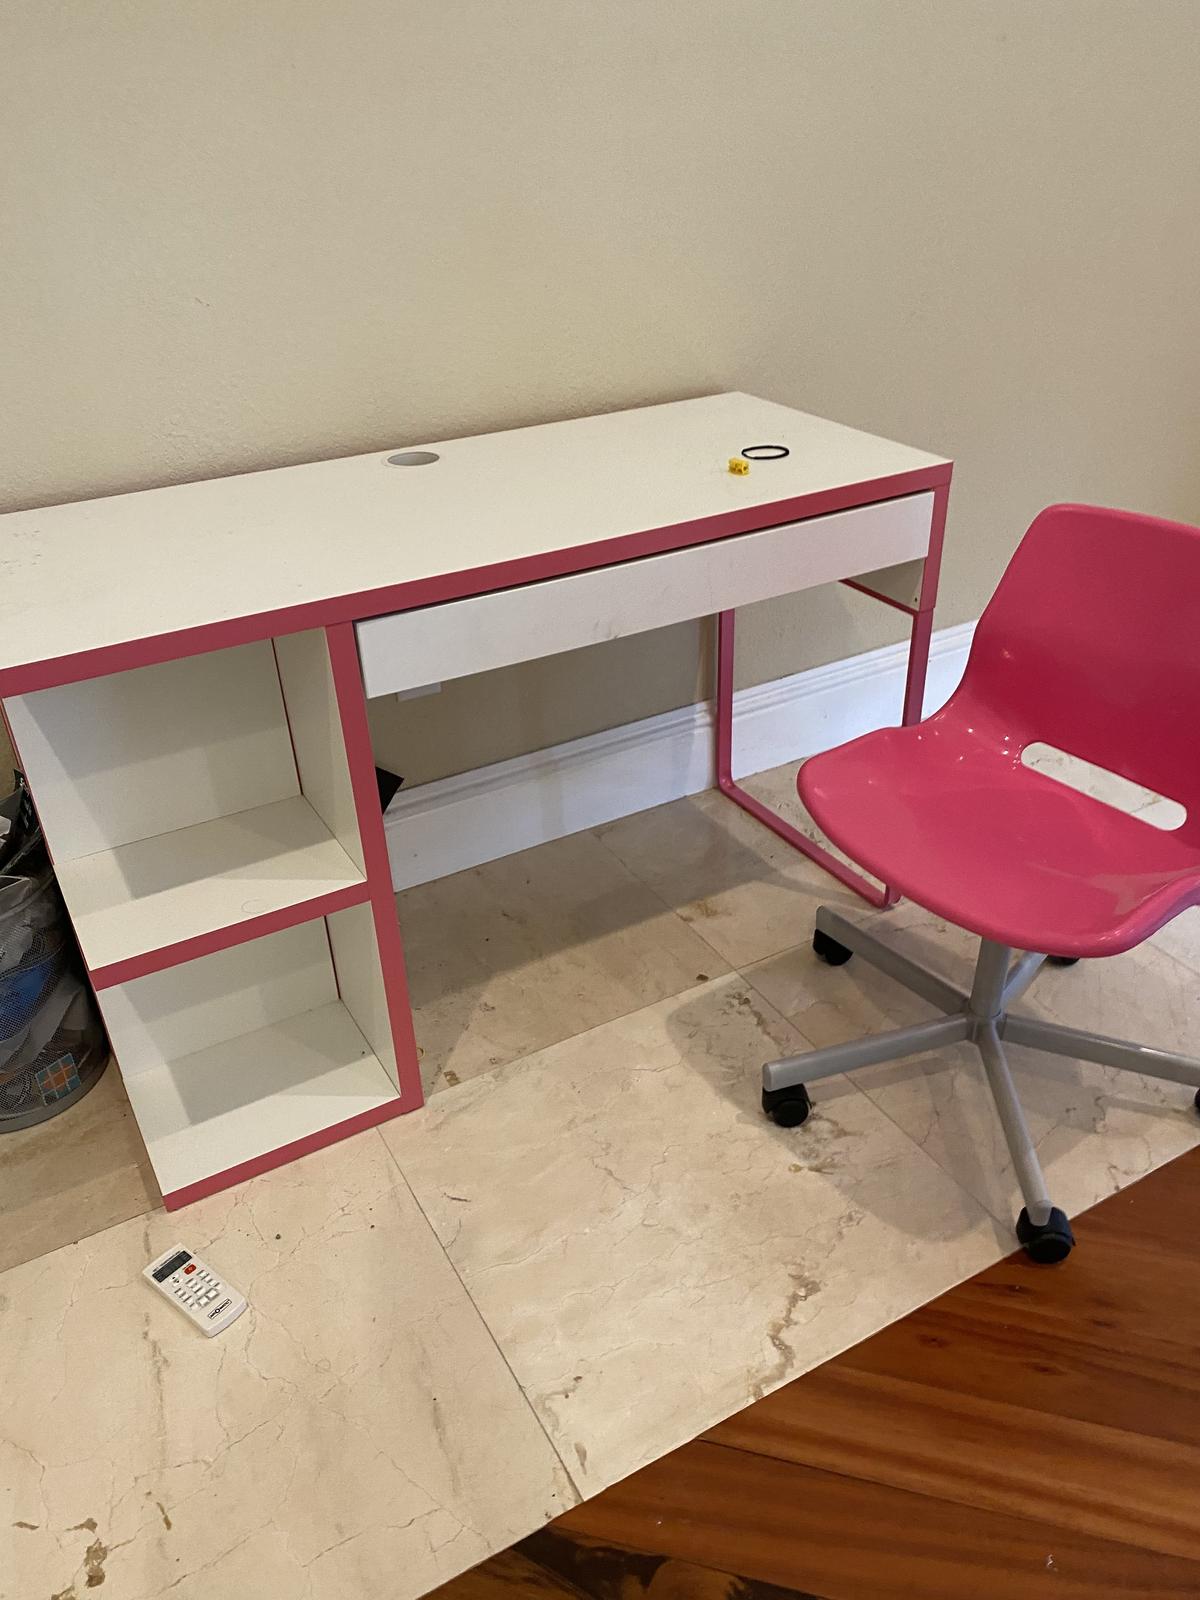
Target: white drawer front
{"x":407,"y":648}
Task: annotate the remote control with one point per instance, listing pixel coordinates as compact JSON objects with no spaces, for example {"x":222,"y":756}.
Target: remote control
{"x":185,"y":1280}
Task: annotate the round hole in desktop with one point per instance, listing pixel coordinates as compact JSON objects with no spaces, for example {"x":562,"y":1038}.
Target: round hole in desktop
{"x":413,"y":458}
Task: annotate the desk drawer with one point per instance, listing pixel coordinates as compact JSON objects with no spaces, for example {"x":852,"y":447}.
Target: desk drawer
{"x":435,"y":643}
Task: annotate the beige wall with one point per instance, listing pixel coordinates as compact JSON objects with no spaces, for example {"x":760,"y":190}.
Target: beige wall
{"x":238,"y":235}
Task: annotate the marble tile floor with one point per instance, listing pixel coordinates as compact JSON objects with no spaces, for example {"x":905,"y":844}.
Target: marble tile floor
{"x":73,"y":1176}
{"x":588,"y":1247}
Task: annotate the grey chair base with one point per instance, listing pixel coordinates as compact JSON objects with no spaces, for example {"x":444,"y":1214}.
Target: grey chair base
{"x":983,"y":1017}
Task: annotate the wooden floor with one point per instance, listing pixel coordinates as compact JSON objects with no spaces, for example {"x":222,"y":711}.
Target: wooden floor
{"x":1035,"y":1431}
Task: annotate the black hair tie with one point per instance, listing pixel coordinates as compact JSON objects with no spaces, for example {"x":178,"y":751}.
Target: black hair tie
{"x":766,"y":452}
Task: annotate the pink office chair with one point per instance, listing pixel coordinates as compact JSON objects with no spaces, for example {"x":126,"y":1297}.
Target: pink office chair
{"x":1091,"y":643}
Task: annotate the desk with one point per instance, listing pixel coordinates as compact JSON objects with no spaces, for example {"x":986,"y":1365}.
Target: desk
{"x":184,"y":672}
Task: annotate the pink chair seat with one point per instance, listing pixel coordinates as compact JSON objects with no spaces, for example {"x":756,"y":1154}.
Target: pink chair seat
{"x":1091,"y":643}
{"x":967,"y":831}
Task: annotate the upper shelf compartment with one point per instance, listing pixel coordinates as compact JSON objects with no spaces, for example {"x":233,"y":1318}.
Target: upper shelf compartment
{"x":242,"y":874}
{"x":194,"y":804}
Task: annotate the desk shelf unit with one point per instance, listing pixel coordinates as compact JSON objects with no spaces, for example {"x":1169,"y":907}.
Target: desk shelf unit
{"x":185,"y":673}
{"x":214,"y":824}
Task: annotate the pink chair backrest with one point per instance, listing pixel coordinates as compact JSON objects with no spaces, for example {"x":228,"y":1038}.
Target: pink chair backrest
{"x":1091,"y":643}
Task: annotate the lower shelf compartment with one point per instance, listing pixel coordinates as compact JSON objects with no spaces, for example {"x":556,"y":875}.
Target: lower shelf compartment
{"x":230,"y":1103}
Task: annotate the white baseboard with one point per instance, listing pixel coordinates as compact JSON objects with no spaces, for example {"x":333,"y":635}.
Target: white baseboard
{"x":455,"y":823}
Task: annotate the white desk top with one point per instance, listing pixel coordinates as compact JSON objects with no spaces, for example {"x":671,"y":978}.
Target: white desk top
{"x":99,"y":574}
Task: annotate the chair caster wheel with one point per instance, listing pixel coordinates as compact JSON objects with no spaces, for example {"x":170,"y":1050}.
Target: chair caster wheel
{"x":1049,"y":1244}
{"x":1062,"y":961}
{"x":829,"y":950}
{"x":787,"y":1108}
{"x":1196,"y":1101}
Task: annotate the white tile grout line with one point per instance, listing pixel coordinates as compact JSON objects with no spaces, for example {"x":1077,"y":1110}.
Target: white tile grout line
{"x":580,"y":1497}
{"x":1160,"y":950}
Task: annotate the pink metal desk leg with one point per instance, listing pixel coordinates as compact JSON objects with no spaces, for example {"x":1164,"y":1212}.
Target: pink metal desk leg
{"x":914,"y":688}
{"x":918,"y":665}
{"x":918,"y":648}
{"x":914,"y":695}
{"x":922,"y":624}
{"x":352,"y":706}
{"x":725,"y":640}
{"x":777,"y":824}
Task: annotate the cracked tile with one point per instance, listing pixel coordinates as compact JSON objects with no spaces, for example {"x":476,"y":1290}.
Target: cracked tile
{"x":649,"y":1252}
{"x":356,"y":1432}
